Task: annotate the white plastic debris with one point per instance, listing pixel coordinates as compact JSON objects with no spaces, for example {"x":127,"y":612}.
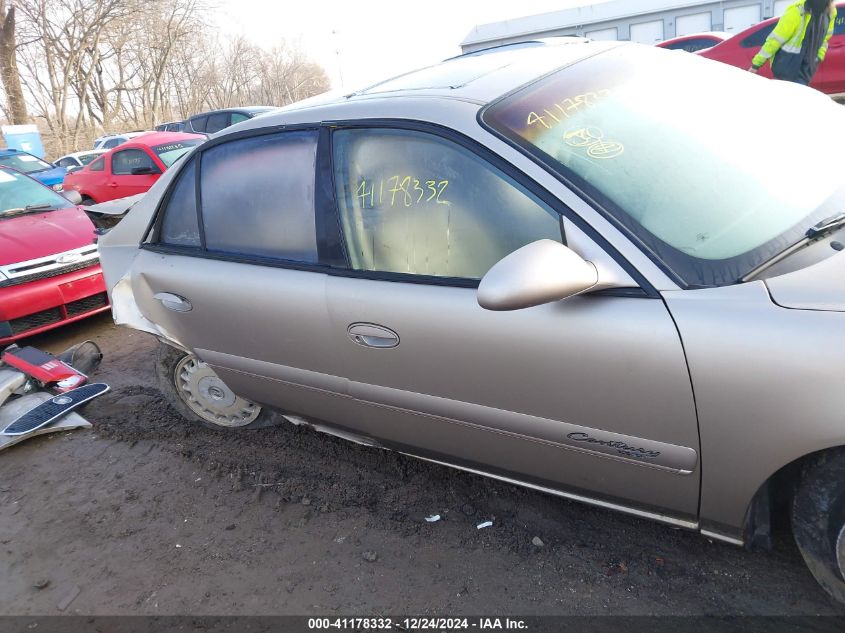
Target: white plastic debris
{"x":486,"y":524}
{"x":434,"y":518}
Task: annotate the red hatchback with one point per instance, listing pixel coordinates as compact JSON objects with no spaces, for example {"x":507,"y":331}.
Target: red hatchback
{"x":49,"y":267}
{"x":132,"y":167}
{"x":742,"y":47}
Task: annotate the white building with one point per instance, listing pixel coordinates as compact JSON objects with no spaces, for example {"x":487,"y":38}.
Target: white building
{"x":646,"y":21}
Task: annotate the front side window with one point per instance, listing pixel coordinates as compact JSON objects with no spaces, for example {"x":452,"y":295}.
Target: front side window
{"x":257,"y":196}
{"x":132,"y":162}
{"x":704,"y":184}
{"x":417,"y":204}
{"x":237,"y":117}
{"x":98,"y":165}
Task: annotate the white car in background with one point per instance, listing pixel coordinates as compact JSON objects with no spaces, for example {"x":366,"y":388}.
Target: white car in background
{"x":109,"y":141}
{"x":78,"y":160}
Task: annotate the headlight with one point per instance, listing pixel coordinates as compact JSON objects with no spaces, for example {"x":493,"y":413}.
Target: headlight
{"x":58,"y":187}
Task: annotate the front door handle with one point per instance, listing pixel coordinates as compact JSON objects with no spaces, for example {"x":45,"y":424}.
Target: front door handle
{"x":371,"y":335}
{"x":173,"y":302}
{"x":112,"y":184}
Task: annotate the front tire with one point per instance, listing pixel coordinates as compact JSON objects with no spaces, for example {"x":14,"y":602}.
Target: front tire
{"x":199,"y":395}
{"x":818,"y":521}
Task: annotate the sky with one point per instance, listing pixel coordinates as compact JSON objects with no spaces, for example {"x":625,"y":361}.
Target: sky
{"x":361,"y":42}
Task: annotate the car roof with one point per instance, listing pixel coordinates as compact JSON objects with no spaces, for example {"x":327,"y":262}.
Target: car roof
{"x":477,"y":77}
{"x":150,"y":139}
{"x":8,"y":151}
{"x":84,"y":152}
{"x":250,"y":109}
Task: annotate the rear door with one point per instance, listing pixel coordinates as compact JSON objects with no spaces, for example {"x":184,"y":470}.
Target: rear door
{"x":235,"y":271}
{"x":591,"y":395}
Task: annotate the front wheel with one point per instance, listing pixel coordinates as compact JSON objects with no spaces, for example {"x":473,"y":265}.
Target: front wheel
{"x":818,"y":521}
{"x":199,"y":395}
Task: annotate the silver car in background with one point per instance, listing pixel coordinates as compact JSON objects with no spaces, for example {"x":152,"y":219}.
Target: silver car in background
{"x":594,"y":269}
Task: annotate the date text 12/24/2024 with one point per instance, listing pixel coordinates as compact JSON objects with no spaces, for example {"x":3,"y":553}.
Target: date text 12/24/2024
{"x":418,"y":624}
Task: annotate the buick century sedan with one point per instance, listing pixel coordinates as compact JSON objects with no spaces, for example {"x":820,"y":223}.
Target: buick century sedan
{"x":570,"y":266}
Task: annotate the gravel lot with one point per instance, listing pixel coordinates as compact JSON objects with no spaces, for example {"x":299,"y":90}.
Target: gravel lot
{"x":145,"y":514}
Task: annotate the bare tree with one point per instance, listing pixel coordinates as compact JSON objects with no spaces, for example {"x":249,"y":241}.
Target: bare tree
{"x":16,"y":106}
{"x":110,"y":65}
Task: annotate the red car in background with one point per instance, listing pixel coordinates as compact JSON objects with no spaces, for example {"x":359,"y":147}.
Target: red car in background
{"x":49,"y":267}
{"x":740,"y":49}
{"x":694,"y":41}
{"x":130,"y":168}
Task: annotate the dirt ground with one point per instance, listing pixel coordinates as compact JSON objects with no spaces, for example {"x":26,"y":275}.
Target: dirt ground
{"x":146,"y":514}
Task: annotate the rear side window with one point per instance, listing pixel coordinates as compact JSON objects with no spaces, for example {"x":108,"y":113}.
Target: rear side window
{"x":417,"y":204}
{"x":98,"y":165}
{"x":258,"y":196}
{"x":217,"y":122}
{"x":122,"y":163}
{"x":758,"y":38}
{"x":839,"y":27}
{"x":692,"y":45}
{"x":112,"y":142}
{"x":179,"y":225}
{"x":198,"y":123}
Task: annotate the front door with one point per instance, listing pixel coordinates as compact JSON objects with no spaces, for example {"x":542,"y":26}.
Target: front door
{"x":590,"y":395}
{"x":126,"y":179}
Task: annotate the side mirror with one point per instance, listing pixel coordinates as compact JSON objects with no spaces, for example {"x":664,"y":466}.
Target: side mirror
{"x":72,"y":196}
{"x":538,"y":273}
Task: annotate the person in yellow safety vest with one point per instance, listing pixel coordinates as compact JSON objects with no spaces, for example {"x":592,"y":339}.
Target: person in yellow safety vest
{"x":798,"y":43}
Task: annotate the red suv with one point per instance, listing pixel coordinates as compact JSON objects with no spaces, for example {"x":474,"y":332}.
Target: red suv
{"x":742,"y":47}
{"x":49,"y":267}
{"x":130,"y":168}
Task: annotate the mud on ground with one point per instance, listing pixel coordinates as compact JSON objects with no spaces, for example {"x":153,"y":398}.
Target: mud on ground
{"x":146,"y":514}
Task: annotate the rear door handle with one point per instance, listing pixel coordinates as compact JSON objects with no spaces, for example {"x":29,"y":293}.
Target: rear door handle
{"x":371,"y":335}
{"x":112,"y":184}
{"x":173,"y":302}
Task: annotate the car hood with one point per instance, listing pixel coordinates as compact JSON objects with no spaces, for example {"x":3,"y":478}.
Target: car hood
{"x":25,"y":237}
{"x":817,"y":287}
{"x":50,"y":177}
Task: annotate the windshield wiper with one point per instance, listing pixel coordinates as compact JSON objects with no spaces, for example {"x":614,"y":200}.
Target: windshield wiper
{"x":814,"y":233}
{"x":826,"y":226}
{"x":28,"y":209}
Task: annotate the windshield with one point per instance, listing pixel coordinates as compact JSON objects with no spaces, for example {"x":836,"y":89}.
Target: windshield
{"x":18,"y":192}
{"x":24,"y":163}
{"x":711,"y":170}
{"x":169,"y":153}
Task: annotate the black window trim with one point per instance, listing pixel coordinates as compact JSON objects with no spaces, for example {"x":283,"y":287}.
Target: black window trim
{"x":332,"y":258}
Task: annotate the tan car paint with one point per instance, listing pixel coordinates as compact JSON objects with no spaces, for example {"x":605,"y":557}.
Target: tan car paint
{"x":489,"y":391}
